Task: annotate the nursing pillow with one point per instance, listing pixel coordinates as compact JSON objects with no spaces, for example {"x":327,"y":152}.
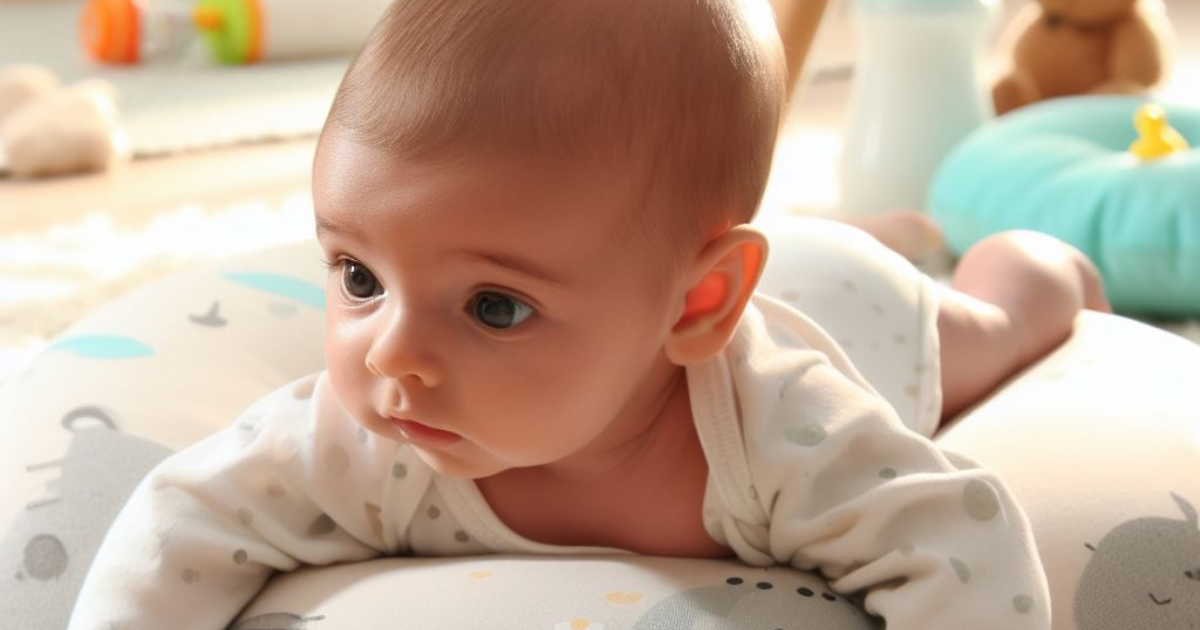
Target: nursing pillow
{"x":1097,"y":441}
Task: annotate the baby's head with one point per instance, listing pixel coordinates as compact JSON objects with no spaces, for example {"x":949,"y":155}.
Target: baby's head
{"x":535,"y":208}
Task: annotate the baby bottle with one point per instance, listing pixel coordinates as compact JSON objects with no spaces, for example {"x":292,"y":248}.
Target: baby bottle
{"x":917,"y":91}
{"x":234,"y":31}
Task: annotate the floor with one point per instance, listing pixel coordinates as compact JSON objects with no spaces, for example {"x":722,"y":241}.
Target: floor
{"x":67,"y":245}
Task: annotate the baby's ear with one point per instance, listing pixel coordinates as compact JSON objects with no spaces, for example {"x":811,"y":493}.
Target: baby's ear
{"x":723,"y":278}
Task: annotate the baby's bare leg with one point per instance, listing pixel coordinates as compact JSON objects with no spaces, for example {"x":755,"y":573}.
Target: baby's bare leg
{"x":909,"y":233}
{"x":1015,"y":298}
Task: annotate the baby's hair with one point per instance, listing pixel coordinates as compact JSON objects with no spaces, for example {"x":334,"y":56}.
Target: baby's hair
{"x":683,"y":96}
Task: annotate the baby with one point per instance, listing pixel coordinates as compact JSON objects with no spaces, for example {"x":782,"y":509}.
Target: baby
{"x":543,"y":337}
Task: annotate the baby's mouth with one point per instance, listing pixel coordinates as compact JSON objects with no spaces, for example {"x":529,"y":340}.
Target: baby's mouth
{"x":421,"y":434}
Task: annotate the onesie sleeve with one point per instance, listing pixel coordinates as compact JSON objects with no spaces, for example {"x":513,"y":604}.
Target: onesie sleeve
{"x":930,"y":541}
{"x":293,"y":481}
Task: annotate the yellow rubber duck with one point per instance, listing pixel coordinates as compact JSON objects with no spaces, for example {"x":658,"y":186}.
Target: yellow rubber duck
{"x":1157,"y":138}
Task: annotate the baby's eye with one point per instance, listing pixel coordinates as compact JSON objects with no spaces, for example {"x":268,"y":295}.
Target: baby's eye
{"x":496,"y":310}
{"x":358,"y":282}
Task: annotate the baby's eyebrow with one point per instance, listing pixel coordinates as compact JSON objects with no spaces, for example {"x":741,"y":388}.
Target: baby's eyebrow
{"x":520,"y":265}
{"x":325,"y":226}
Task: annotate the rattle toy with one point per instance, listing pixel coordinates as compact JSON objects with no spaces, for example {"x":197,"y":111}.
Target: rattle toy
{"x":235,"y":31}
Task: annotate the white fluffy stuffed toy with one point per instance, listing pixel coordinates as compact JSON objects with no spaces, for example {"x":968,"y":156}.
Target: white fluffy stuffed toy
{"x":50,"y":130}
{"x":22,"y":82}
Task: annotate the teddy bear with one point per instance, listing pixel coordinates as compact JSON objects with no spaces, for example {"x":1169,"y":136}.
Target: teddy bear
{"x":1067,"y":47}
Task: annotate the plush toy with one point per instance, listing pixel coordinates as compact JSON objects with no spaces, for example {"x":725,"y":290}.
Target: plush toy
{"x":1066,"y":47}
{"x":48,"y":130}
{"x":20,"y":83}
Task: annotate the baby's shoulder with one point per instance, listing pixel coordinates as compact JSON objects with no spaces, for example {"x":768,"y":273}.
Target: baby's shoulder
{"x":304,"y":414}
{"x":793,"y":383}
{"x":303,"y":428}
{"x":778,"y":352}
{"x":289,"y":405}
{"x":773,"y":332}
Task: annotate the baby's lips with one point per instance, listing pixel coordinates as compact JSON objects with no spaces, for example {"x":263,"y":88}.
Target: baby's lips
{"x":423,"y":434}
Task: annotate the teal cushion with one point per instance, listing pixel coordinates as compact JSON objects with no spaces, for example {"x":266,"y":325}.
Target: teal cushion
{"x":1062,"y":167}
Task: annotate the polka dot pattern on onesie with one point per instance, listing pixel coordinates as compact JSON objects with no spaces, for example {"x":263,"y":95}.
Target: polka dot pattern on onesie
{"x":321,"y":526}
{"x":805,"y":434}
{"x":399,"y":470}
{"x":980,"y":500}
{"x":1022,"y":603}
{"x":248,"y":427}
{"x":961,"y":570}
{"x":337,"y":460}
{"x":274,"y":489}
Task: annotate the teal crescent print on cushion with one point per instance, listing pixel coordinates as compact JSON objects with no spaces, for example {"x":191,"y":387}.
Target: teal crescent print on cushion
{"x":786,"y":600}
{"x":102,"y":347}
{"x":287,"y":286}
{"x":1144,"y":574}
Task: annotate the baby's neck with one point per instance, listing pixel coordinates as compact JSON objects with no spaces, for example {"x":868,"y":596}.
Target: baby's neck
{"x":645,"y":494}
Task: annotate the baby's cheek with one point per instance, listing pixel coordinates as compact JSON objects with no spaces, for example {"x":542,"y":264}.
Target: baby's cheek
{"x":337,"y":345}
{"x":350,"y":381}
{"x":347,"y":343}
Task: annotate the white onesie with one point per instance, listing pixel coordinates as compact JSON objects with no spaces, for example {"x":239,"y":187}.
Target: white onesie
{"x":808,"y":466}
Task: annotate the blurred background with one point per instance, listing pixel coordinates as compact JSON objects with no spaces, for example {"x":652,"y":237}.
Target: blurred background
{"x":220,"y":154}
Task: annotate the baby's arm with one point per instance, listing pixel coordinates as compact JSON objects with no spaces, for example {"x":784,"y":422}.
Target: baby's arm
{"x":291,"y":482}
{"x":934,"y":542}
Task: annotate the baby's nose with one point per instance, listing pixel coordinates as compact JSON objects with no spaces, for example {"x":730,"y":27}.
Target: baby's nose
{"x":403,"y":351}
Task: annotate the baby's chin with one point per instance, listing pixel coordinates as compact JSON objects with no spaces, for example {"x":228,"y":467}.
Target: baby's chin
{"x":460,"y":465}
